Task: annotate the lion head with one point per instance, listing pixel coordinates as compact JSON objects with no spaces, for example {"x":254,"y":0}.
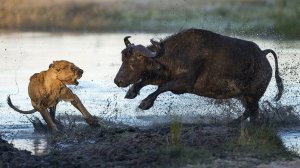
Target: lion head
{"x":67,"y":72}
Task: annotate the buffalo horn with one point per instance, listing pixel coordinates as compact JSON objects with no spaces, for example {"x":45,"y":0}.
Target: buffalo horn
{"x":126,"y":41}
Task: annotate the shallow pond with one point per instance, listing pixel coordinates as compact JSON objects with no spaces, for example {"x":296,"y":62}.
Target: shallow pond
{"x":23,"y":54}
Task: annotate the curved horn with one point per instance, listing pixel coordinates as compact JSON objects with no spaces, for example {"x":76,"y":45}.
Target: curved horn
{"x":126,"y":41}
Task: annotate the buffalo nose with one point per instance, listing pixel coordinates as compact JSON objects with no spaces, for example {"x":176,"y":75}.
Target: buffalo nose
{"x":118,"y":82}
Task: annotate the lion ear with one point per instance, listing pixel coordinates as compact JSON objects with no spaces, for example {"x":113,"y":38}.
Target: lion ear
{"x":52,"y":65}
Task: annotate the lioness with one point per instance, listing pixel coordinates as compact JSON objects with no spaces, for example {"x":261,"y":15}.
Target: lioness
{"x":48,"y":87}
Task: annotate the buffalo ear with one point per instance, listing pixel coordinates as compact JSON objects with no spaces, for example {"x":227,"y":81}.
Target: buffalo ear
{"x":156,"y":45}
{"x":130,"y":50}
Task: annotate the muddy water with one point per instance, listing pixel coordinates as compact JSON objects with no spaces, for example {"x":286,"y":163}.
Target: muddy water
{"x":23,"y":54}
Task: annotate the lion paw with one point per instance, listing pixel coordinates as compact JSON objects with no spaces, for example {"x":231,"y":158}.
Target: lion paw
{"x":93,"y":121}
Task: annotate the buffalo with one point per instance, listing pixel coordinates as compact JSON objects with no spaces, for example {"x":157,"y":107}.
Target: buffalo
{"x":200,"y":62}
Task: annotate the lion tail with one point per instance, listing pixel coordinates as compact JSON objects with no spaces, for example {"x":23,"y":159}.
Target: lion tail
{"x":18,"y":110}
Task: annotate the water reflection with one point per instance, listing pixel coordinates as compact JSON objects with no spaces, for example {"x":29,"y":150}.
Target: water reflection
{"x":23,"y":137}
{"x":40,"y":146}
{"x":37,"y":145}
{"x":291,"y":139}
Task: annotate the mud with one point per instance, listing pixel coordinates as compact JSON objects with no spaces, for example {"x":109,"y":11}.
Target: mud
{"x":168,"y":145}
{"x":12,"y":157}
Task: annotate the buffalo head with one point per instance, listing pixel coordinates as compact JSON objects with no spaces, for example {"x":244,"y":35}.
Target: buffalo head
{"x":136,"y":60}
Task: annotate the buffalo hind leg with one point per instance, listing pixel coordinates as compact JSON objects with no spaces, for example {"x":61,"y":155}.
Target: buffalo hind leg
{"x":251,"y":110}
{"x":251,"y":105}
{"x":177,"y":86}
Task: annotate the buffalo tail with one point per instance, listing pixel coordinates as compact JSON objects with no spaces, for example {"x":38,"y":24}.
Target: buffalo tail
{"x":277,"y":77}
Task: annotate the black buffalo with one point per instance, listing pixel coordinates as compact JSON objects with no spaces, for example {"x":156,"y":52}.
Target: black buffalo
{"x":199,"y":62}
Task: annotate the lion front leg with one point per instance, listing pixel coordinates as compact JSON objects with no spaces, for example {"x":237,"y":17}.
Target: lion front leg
{"x":92,"y":121}
{"x":68,"y":95}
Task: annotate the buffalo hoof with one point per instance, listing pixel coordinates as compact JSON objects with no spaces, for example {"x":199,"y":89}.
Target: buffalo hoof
{"x":130,"y":95}
{"x":146,"y":104}
{"x":93,"y":122}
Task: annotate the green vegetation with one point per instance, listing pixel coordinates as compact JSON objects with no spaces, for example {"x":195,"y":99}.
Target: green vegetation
{"x":246,"y":17}
{"x":247,"y":146}
{"x":262,"y":142}
{"x":251,"y":146}
{"x":175,"y":132}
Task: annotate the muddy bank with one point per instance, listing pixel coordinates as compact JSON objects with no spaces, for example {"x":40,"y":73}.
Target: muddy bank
{"x":12,"y":157}
{"x":172,"y":145}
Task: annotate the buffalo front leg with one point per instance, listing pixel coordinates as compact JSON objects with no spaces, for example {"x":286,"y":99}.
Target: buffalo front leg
{"x":92,"y":121}
{"x":134,"y":90}
{"x":176,"y":86}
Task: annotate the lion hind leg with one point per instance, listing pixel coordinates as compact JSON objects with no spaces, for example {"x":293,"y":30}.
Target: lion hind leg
{"x":47,"y":117}
{"x":52,"y":112}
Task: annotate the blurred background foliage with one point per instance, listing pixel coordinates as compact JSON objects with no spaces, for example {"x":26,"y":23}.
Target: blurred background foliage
{"x":263,"y":18}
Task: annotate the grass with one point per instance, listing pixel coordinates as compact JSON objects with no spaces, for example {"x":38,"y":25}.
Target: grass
{"x":258,"y":17}
{"x":249,"y":146}
{"x":175,"y":127}
{"x":262,"y":142}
